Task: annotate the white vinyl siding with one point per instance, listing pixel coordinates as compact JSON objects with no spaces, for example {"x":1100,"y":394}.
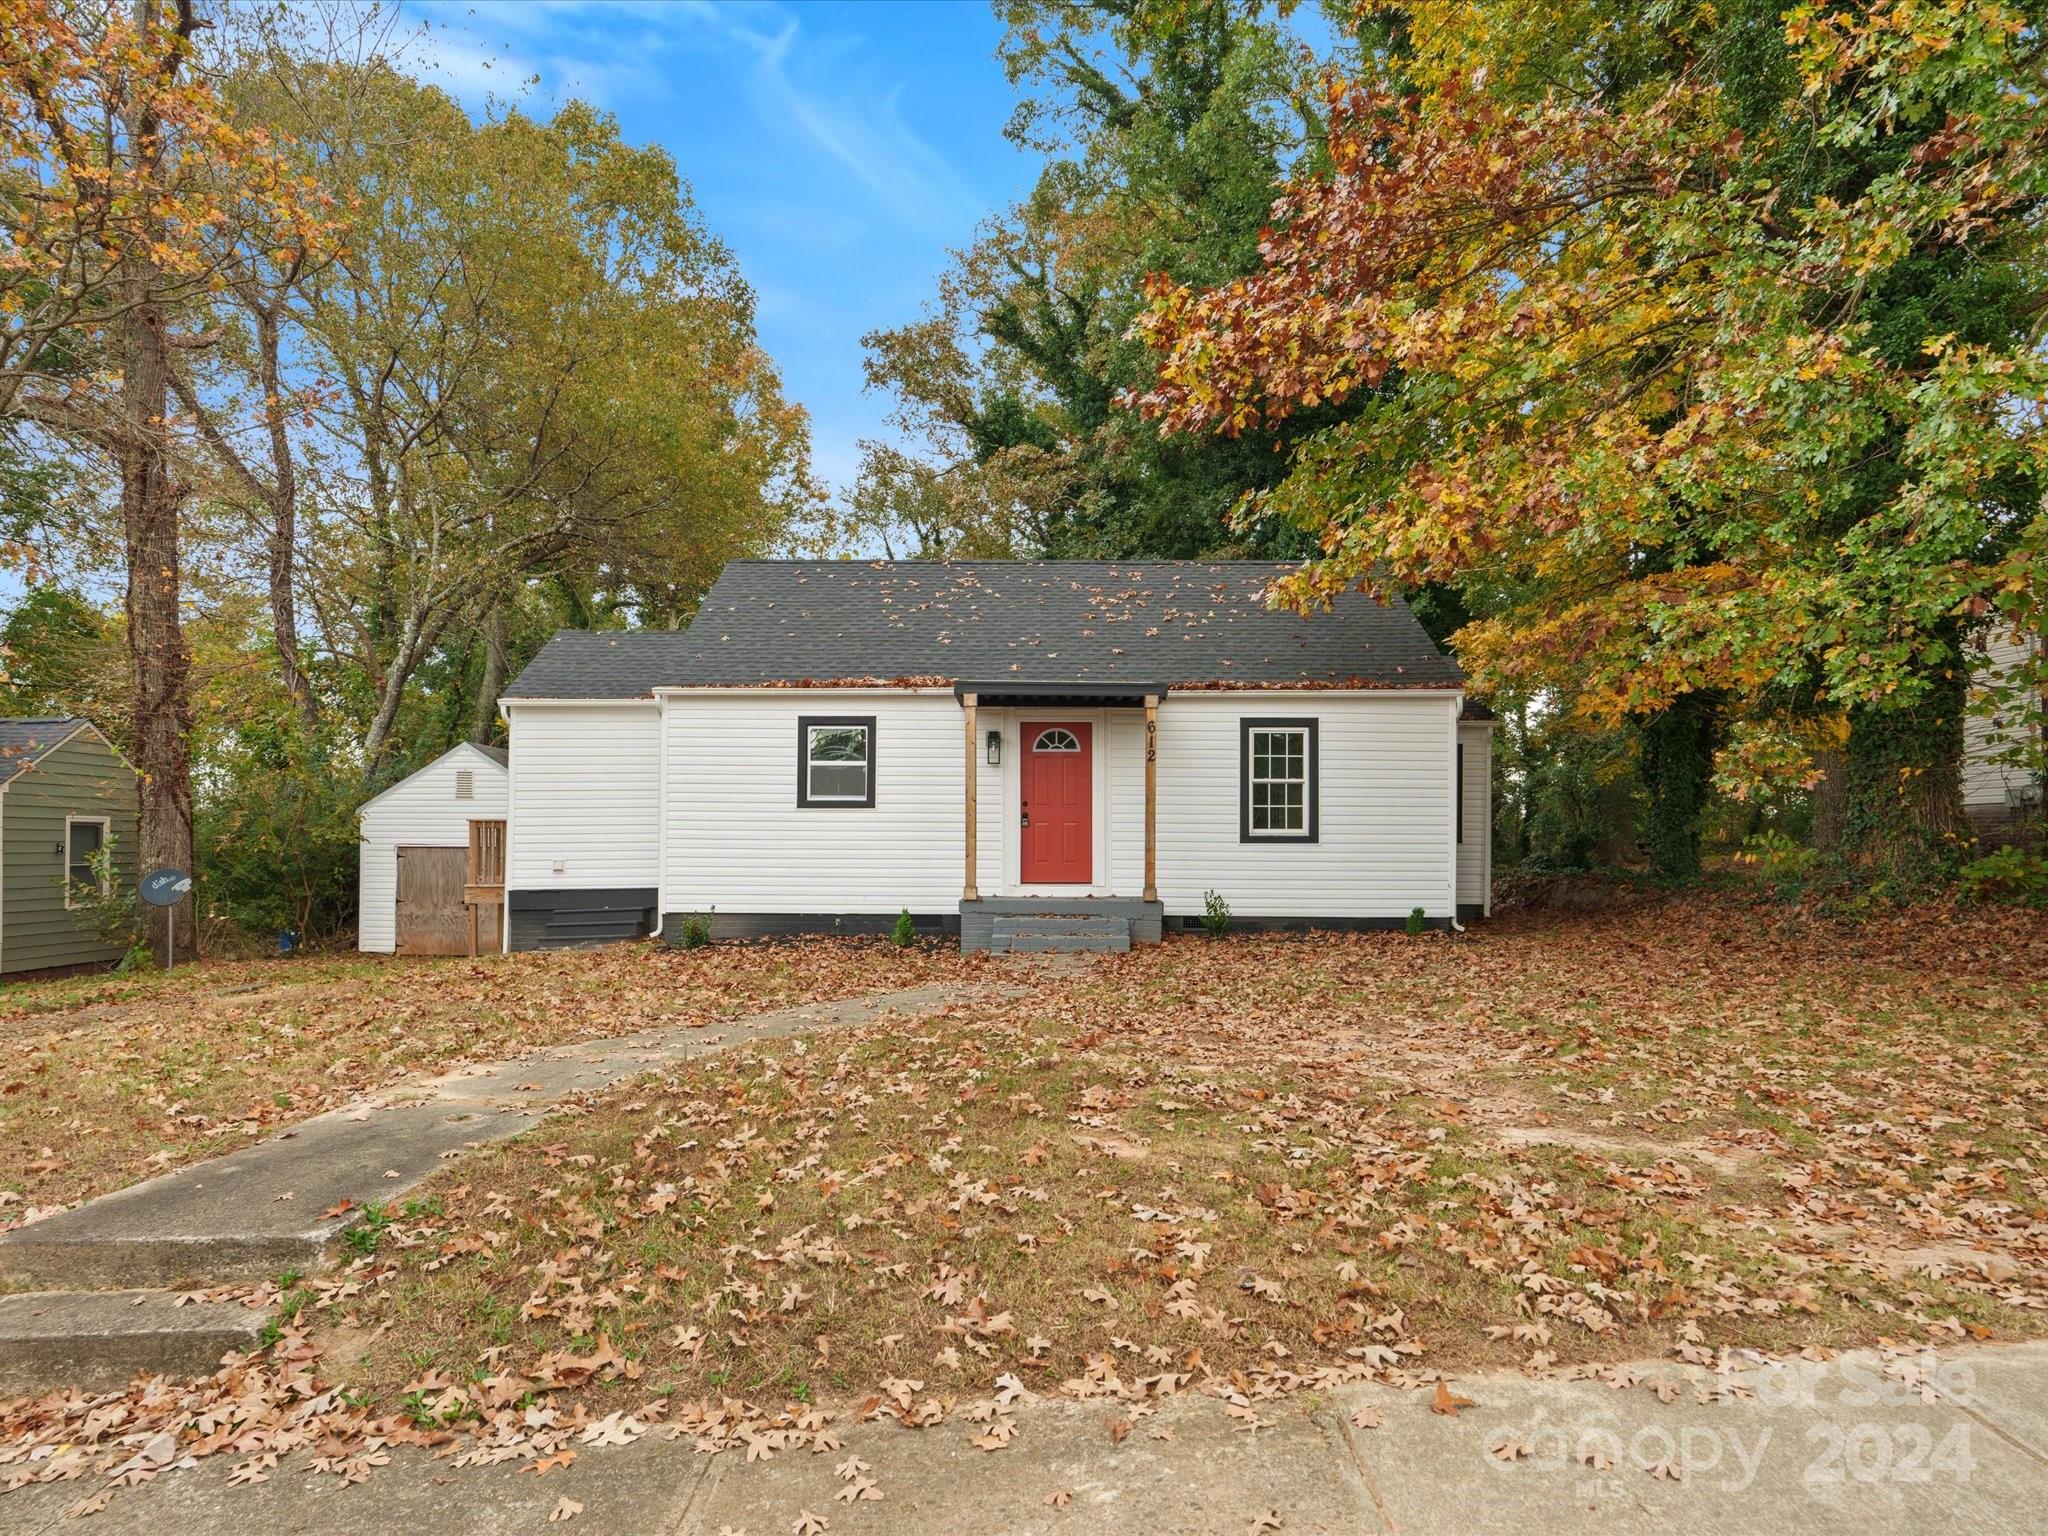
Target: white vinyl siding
{"x":738,"y":842}
{"x":1384,"y":817}
{"x":1475,"y":850}
{"x":586,"y":796}
{"x":1989,"y":784}
{"x":424,"y":811}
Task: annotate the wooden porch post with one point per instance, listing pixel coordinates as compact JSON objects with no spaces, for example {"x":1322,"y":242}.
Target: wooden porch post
{"x":1151,"y":797}
{"x":968,"y":892}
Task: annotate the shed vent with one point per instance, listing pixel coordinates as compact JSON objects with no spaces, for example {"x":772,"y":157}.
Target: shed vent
{"x":465,"y":783}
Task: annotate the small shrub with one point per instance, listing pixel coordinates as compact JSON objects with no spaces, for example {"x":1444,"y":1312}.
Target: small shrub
{"x":2010,"y":874}
{"x":1778,"y":856}
{"x":694,"y":933}
{"x":1215,"y":913}
{"x":1418,"y":920}
{"x":906,"y":931}
{"x":107,"y":903}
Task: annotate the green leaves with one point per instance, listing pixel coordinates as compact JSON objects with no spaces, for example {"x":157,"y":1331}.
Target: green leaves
{"x":1686,"y":390}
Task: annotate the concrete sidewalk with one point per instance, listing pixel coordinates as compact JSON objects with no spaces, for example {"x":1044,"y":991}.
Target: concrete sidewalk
{"x":1854,"y":1447}
{"x":86,"y":1317}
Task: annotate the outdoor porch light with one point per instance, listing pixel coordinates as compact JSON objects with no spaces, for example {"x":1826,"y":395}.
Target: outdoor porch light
{"x":995,"y":748}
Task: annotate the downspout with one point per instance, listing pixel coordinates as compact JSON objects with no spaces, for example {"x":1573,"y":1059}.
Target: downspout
{"x":660,"y":822}
{"x":511,"y":824}
{"x":1457,"y":712}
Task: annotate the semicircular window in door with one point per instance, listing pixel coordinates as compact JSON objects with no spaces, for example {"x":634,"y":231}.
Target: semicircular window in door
{"x":1056,"y":740}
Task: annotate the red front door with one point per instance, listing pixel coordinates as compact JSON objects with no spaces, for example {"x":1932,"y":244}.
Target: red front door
{"x":1057,"y":794}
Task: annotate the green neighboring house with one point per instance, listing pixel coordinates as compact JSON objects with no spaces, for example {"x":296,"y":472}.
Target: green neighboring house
{"x":65,"y":793}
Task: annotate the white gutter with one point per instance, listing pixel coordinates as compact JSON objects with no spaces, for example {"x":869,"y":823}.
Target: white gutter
{"x":660,"y":823}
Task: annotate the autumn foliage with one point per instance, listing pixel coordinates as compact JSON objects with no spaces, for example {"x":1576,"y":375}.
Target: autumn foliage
{"x":1700,"y":398}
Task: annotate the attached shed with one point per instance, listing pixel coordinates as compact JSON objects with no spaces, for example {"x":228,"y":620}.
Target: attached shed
{"x":65,"y":794}
{"x":423,"y":842}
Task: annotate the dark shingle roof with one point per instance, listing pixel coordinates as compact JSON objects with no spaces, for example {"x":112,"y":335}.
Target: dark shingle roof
{"x":23,"y":741}
{"x":1185,"y":624}
{"x":497,"y":755}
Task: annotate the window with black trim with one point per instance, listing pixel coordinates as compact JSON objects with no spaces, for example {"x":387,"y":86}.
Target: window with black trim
{"x":1277,"y":781}
{"x":835,"y":760}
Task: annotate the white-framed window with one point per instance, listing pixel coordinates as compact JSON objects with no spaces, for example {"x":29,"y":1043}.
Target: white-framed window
{"x":84,"y":837}
{"x":1056,"y":739}
{"x":1277,"y":781}
{"x":835,"y":760}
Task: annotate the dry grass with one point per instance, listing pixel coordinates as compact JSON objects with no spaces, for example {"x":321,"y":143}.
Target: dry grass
{"x":105,"y":1080}
{"x":1564,"y":1139}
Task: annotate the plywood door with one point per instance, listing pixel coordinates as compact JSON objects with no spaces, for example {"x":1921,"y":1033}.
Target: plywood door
{"x":431,"y":917}
{"x":1057,"y":801}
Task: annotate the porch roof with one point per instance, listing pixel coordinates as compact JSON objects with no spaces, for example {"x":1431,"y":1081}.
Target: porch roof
{"x":1118,"y":695}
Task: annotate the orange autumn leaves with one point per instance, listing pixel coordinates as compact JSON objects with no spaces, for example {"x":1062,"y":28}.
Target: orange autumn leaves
{"x":1608,"y":365}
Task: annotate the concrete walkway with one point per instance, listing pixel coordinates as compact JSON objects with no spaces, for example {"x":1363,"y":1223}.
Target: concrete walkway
{"x":89,"y":1317}
{"x":1841,"y":1449}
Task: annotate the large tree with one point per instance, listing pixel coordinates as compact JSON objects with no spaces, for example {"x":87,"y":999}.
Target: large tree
{"x":1165,"y":125}
{"x":1728,"y":383}
{"x":118,"y":164}
{"x":528,"y":361}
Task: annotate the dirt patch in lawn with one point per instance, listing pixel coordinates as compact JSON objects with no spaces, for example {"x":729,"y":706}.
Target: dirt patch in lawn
{"x":107,"y":1080}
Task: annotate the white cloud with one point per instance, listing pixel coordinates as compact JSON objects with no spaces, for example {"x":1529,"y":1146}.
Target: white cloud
{"x":606,"y":50}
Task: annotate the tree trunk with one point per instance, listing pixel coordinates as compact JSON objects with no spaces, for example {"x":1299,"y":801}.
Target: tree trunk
{"x":1677,"y":768}
{"x":151,"y":496}
{"x":1904,"y":818}
{"x":419,"y":636}
{"x":484,"y":724}
{"x":284,"y":523}
{"x":1831,"y":799}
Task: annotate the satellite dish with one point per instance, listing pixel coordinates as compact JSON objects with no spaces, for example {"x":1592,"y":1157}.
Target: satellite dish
{"x":166,"y":887}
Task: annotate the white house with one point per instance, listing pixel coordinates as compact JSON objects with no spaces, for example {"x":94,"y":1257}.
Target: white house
{"x":2000,"y":789}
{"x":415,"y":853}
{"x":1032,"y":753}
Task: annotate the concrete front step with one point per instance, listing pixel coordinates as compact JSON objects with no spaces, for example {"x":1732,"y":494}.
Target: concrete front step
{"x":1143,"y":921}
{"x":1067,"y":933}
{"x":1063,"y":944}
{"x":98,"y":1340}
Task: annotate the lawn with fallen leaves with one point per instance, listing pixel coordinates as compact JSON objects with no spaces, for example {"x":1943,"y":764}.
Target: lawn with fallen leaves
{"x":1237,"y":1167}
{"x":105,"y":1080}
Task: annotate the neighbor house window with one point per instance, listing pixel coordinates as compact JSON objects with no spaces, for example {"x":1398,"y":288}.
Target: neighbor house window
{"x":83,"y":839}
{"x":1277,"y":781}
{"x":835,"y":760}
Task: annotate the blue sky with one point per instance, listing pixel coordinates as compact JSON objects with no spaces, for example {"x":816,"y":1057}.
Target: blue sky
{"x":840,"y":150}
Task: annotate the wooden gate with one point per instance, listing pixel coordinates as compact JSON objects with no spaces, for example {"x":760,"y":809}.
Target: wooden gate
{"x":483,"y":890}
{"x":432,"y":918}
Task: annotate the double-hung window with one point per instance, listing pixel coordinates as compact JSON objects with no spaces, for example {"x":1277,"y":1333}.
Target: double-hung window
{"x":84,"y":837}
{"x":835,"y":760}
{"x":1277,"y":781}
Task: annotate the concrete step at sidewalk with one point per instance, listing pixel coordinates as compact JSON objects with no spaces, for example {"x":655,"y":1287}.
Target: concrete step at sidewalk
{"x":252,"y":1214}
{"x":265,"y":1209}
{"x":99,"y":1340}
{"x":284,"y":1204}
